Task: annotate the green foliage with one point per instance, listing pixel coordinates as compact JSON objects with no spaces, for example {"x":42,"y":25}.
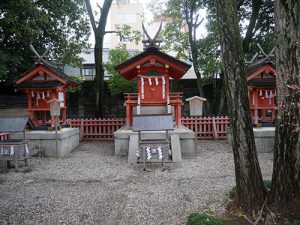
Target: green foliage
{"x":79,"y":79}
{"x":209,"y":55}
{"x":127,"y":34}
{"x":61,"y":24}
{"x":296,"y":222}
{"x":203,"y":219}
{"x":233,"y":190}
{"x":267,"y":184}
{"x":116,"y":83}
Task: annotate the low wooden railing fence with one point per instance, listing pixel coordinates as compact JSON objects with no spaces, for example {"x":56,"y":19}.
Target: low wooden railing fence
{"x":103,"y":129}
{"x":207,"y":127}
{"x":4,"y":136}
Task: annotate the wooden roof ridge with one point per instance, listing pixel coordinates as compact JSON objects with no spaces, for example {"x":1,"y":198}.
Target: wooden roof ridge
{"x":131,"y":63}
{"x":52,"y":69}
{"x":148,"y":51}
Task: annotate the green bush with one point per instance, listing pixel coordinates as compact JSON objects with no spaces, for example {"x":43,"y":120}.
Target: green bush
{"x":203,"y":219}
{"x":232,"y":191}
{"x":296,"y":222}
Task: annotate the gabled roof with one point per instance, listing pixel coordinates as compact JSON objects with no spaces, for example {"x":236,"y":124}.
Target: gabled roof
{"x":59,"y":78}
{"x":196,"y":97}
{"x":258,"y":67}
{"x":15,"y":124}
{"x":128,"y":69}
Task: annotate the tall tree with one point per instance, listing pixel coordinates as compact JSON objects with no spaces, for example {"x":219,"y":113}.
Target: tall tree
{"x":285,"y":191}
{"x":187,"y":12}
{"x":40,"y":23}
{"x":99,"y":31}
{"x":118,"y":84}
{"x":250,"y":189}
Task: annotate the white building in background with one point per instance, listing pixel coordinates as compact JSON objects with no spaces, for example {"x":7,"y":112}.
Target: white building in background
{"x":129,"y":12}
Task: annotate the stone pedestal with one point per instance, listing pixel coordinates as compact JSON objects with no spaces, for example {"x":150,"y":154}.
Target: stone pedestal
{"x":44,"y":142}
{"x":264,"y":138}
{"x":182,"y":142}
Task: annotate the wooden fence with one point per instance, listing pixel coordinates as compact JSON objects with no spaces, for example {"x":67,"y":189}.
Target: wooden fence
{"x":103,"y":129}
{"x":97,"y":129}
{"x":4,"y":136}
{"x":207,"y":127}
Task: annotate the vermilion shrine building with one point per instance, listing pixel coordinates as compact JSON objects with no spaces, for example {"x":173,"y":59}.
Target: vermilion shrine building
{"x":153,"y":70}
{"x":262,"y":90}
{"x":41,"y":84}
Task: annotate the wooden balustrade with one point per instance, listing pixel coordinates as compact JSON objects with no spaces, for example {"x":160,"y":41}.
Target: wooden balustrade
{"x":103,"y":129}
{"x":4,"y":136}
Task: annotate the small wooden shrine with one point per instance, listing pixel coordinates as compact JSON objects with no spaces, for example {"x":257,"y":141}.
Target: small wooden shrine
{"x":43,"y":83}
{"x":262,"y":87}
{"x":153,"y":70}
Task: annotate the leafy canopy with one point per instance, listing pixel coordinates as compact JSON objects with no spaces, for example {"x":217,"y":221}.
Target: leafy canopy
{"x":116,"y":83}
{"x":60,"y":23}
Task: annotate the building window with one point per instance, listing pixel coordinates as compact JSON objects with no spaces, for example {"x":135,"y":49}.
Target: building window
{"x":126,"y":18}
{"x":89,"y":73}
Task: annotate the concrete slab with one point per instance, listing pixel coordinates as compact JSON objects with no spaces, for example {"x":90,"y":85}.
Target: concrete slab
{"x":43,"y":142}
{"x":264,"y":138}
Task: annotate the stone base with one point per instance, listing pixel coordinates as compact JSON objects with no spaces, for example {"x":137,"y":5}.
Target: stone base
{"x":44,"y":142}
{"x":182,"y":142}
{"x":264,"y":138}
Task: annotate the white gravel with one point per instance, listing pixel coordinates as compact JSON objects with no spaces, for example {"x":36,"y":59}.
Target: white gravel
{"x":92,"y":186}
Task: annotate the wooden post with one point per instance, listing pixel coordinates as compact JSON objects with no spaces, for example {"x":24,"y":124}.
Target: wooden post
{"x":215,"y":132}
{"x":56,"y":136}
{"x":81,"y":130}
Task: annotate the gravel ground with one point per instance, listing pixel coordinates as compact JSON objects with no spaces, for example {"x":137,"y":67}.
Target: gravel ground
{"x":92,"y":186}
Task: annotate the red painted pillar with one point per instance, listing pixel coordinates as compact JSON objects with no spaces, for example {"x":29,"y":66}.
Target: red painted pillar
{"x":179,"y":114}
{"x":64,"y":115}
{"x":29,"y":104}
{"x":128,"y":120}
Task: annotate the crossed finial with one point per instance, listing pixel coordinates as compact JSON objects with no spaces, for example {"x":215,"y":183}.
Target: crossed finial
{"x":263,"y":54}
{"x":152,"y":42}
{"x":42,"y":59}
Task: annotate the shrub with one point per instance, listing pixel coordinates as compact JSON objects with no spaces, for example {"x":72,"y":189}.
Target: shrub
{"x":203,"y":219}
{"x":296,"y":222}
{"x":232,"y":191}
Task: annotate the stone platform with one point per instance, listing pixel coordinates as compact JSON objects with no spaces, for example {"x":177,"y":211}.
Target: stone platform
{"x":182,"y":142}
{"x":43,"y":142}
{"x":264,"y":139}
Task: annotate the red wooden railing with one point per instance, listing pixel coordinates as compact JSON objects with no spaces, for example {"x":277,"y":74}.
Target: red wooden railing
{"x":97,"y":129}
{"x":4,"y":136}
{"x":103,"y":129}
{"x":207,"y":127}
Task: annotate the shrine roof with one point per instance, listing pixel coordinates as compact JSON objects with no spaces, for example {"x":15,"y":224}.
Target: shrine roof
{"x":258,"y":65}
{"x":48,"y":84}
{"x":177,"y":68}
{"x":262,"y":82}
{"x":59,"y":77}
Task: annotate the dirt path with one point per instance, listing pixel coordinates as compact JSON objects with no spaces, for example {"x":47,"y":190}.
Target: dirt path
{"x":92,"y":186}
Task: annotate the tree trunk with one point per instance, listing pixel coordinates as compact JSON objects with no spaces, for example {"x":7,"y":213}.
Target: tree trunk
{"x":99,"y":78}
{"x":285,"y":191}
{"x":99,"y":38}
{"x":249,"y":182}
{"x":99,"y":31}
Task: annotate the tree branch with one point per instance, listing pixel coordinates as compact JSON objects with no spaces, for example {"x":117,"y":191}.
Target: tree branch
{"x":91,"y":15}
{"x":256,"y":6}
{"x":99,"y":7}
